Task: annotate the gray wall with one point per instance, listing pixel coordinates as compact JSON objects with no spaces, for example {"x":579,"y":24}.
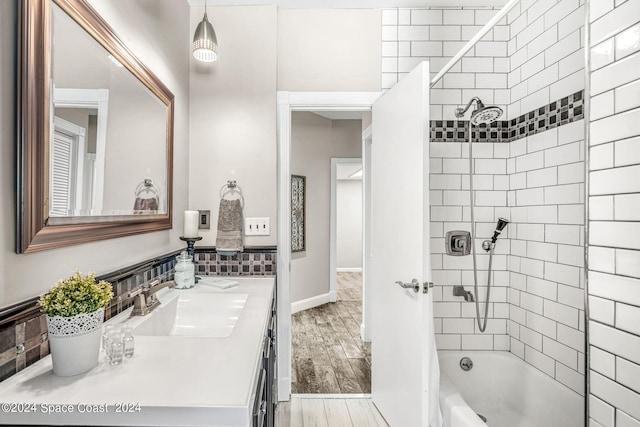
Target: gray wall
{"x":314,"y":141}
{"x":233,"y":101}
{"x":329,"y":49}
{"x":349,"y":224}
{"x":156,"y":31}
{"x":233,"y":116}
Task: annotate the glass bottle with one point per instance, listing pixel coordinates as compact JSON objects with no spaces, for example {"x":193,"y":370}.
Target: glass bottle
{"x":116,"y":347}
{"x":105,"y":340}
{"x":127,"y":341}
{"x":185,"y":271}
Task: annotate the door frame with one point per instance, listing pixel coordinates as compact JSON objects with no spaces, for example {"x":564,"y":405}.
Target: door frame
{"x":97,"y":99}
{"x":367,"y":139}
{"x":288,"y":102}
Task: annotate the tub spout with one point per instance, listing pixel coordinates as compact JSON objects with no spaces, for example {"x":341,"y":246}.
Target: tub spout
{"x":459,"y":291}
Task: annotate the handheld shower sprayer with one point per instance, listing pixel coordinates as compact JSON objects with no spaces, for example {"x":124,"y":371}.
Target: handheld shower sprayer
{"x":502,"y":223}
{"x":487,"y":245}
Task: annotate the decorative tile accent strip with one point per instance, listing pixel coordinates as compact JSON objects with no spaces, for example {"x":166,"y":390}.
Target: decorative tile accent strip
{"x":458,"y":131}
{"x":251,"y":262}
{"x":23,"y":328}
{"x":557,"y":113}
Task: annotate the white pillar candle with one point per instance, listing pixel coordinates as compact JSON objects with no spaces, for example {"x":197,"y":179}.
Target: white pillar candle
{"x":190,"y":224}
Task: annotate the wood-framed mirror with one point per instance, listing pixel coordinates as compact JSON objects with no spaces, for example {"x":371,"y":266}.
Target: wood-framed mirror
{"x":95,"y":132}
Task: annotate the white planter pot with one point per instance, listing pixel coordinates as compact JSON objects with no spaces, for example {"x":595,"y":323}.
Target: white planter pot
{"x":74,"y":342}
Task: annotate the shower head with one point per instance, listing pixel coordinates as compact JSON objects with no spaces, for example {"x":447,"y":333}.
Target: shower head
{"x":486,"y":115}
{"x":502,"y":223}
{"x":482,"y":114}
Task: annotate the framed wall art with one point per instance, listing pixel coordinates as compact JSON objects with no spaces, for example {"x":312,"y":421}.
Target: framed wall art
{"x":298,"y":219}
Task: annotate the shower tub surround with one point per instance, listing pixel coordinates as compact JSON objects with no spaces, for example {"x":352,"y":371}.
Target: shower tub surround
{"x":521,"y":396}
{"x":23,"y":328}
{"x":529,"y":168}
{"x":536,"y":308}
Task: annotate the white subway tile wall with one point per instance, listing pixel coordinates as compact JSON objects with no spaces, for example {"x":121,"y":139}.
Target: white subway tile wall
{"x":455,"y":324}
{"x":547,"y":61}
{"x":614,"y":221}
{"x":546,"y":257}
{"x":410,"y":36}
{"x":526,"y":64}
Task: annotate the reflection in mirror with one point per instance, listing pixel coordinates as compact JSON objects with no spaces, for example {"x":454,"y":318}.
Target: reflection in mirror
{"x":91,"y":175}
{"x":95,"y":135}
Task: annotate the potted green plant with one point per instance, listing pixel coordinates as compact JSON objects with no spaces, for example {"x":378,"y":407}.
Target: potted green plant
{"x":75,"y":312}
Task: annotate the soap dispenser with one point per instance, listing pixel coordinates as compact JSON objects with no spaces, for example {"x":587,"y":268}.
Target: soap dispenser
{"x":185,"y":271}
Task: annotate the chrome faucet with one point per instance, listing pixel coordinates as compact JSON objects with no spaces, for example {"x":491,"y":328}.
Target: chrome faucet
{"x":145,"y":296}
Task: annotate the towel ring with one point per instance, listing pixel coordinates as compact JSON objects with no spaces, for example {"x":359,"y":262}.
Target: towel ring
{"x":147,"y":186}
{"x":229,"y":188}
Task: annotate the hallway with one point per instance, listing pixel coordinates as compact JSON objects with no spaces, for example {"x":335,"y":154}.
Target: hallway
{"x":328,"y":355}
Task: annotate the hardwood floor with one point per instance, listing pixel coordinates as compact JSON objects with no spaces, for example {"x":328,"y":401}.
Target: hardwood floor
{"x":328,"y":355}
{"x":303,"y":412}
{"x":349,"y":287}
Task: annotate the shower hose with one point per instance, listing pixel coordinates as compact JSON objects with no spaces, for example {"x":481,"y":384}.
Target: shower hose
{"x":482,"y":324}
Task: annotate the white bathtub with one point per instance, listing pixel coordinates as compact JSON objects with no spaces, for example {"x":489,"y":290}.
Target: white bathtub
{"x":506,"y":390}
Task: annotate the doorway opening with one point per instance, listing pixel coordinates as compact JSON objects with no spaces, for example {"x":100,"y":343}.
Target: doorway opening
{"x":328,"y":354}
{"x":288,"y":104}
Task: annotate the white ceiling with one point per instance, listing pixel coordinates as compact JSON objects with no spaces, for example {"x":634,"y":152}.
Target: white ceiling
{"x":349,"y":4}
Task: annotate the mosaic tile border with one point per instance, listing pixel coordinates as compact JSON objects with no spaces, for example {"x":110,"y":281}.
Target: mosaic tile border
{"x":23,"y":328}
{"x":260,"y":262}
{"x":558,"y":113}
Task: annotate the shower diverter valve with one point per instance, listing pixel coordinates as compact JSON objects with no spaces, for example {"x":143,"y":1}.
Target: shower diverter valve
{"x":458,"y":242}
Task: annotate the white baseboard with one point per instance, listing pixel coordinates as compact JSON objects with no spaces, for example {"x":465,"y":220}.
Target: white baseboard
{"x":349,"y":270}
{"x":308,"y":303}
{"x":284,"y":384}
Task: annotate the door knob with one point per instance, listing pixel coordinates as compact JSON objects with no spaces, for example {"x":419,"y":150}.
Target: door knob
{"x":426,"y":286}
{"x":415,"y":285}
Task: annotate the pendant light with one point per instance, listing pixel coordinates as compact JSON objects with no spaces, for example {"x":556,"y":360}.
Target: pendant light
{"x":205,"y":42}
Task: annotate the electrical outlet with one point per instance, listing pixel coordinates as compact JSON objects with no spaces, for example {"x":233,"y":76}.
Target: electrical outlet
{"x":257,"y":227}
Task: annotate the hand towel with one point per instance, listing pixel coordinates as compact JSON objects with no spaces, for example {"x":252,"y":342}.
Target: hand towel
{"x":230,"y":236}
{"x":145,"y":206}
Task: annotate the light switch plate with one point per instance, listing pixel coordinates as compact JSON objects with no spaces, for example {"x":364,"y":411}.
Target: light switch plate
{"x":204,"y":220}
{"x":257,"y":227}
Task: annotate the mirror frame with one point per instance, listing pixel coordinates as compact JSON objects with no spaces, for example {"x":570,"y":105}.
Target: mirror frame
{"x":33,"y":231}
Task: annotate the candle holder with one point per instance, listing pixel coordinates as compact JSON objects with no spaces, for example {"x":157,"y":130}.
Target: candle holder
{"x":191,"y":241}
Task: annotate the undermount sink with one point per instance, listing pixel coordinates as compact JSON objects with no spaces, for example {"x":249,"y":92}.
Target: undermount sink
{"x":192,"y":313}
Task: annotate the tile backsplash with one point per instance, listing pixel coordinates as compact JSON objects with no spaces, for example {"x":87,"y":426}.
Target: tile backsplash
{"x":23,"y":328}
{"x":248,"y":263}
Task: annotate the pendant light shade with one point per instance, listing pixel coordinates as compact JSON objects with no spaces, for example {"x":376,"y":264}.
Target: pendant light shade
{"x":205,"y":42}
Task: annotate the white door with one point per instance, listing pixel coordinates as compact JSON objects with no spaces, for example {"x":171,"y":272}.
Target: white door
{"x":402,"y":343}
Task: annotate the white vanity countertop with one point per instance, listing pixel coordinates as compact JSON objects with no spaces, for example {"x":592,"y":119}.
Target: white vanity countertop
{"x":176,"y":381}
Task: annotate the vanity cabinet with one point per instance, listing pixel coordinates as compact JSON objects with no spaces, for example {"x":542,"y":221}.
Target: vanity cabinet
{"x":264,"y":408}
